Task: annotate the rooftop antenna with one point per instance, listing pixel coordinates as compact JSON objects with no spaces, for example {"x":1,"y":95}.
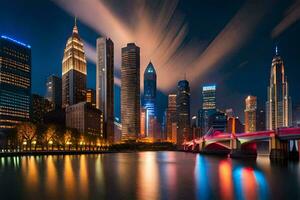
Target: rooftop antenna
{"x":276,"y":50}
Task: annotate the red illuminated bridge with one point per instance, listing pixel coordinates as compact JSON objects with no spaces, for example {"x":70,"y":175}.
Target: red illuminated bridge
{"x":282,"y":143}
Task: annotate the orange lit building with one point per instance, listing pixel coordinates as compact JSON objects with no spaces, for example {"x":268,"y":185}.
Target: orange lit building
{"x":73,"y":71}
{"x":91,"y":97}
{"x":143,"y":122}
{"x":250,"y":114}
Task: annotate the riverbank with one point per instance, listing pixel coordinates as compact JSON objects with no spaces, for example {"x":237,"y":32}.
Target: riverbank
{"x":116,"y":148}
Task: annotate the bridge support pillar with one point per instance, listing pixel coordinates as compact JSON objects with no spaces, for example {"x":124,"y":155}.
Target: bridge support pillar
{"x":238,"y":152}
{"x":278,"y":149}
{"x":293,"y":150}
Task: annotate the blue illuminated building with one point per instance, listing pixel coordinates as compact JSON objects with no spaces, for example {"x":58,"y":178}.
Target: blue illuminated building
{"x":150,"y":89}
{"x":150,"y":97}
{"x":15,"y":82}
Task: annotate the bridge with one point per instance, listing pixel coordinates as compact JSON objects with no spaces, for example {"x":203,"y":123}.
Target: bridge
{"x":282,"y":143}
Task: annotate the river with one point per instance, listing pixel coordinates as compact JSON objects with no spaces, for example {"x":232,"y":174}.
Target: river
{"x":146,"y":176}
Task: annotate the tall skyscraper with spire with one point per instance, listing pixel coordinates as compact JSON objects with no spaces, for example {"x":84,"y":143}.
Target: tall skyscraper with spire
{"x":105,"y":84}
{"x":150,"y":98}
{"x":278,"y":106}
{"x":73,"y":70}
{"x":130,"y":92}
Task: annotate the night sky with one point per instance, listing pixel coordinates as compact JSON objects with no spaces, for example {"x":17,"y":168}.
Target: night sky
{"x":244,"y":70}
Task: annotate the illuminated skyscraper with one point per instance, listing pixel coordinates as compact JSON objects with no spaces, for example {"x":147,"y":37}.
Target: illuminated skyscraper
{"x":183,"y":111}
{"x":208,"y":107}
{"x":15,"y":82}
{"x":171,"y":116}
{"x":150,"y":98}
{"x":130,"y":92}
{"x":250,"y":114}
{"x":105,"y":84}
{"x":278,"y":106}
{"x":209,"y":97}
{"x":73,"y":71}
{"x":54,"y":91}
{"x":150,"y":89}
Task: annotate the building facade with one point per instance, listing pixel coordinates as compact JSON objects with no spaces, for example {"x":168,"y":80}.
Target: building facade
{"x":171,"y":117}
{"x":250,"y":114}
{"x":234,"y":125}
{"x":183,"y":111}
{"x":105,"y":84}
{"x":15,"y":82}
{"x":73,"y":71}
{"x":40,"y":107}
{"x":217,"y":121}
{"x":91,"y":96}
{"x":278,"y":106}
{"x":85,"y":118}
{"x":143,"y":123}
{"x":130,"y":92}
{"x":260,"y":120}
{"x":53,"y":93}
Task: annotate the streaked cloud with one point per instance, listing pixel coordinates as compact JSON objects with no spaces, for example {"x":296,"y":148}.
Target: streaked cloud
{"x":161,"y":33}
{"x":292,"y":15}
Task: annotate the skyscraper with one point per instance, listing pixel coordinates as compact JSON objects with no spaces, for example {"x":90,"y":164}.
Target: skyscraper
{"x":208,"y":107}
{"x":150,"y":89}
{"x":171,"y":116}
{"x":73,"y":71}
{"x":130,"y":92}
{"x":250,"y":114}
{"x":150,"y":99}
{"x":209,"y":97}
{"x":15,"y":82}
{"x":183,"y":111}
{"x":53,"y":93}
{"x":105,"y":84}
{"x":278,"y":106}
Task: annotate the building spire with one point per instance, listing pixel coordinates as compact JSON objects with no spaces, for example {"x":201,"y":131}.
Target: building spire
{"x":276,"y":50}
{"x":75,"y":29}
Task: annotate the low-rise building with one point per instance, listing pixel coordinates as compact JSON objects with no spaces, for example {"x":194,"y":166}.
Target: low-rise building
{"x":85,"y":118}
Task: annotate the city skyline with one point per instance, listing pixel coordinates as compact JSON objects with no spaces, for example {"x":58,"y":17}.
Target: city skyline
{"x":149,"y":99}
{"x":237,"y":69}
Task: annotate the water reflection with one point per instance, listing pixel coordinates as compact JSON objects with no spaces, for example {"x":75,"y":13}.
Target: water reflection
{"x":69,"y":181}
{"x":201,"y":178}
{"x":145,"y":175}
{"x":225,"y":176}
{"x":51,"y":176}
{"x":148,"y":176}
{"x":83,"y":177}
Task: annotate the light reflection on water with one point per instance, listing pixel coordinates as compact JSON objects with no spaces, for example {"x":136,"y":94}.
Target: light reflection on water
{"x":146,"y":175}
